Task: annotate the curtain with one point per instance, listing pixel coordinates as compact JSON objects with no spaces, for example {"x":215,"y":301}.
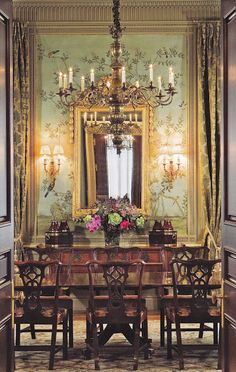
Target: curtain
{"x":21,"y":127}
{"x":209,"y":127}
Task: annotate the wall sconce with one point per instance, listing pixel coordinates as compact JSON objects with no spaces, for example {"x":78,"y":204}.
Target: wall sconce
{"x":171,"y":169}
{"x":172,"y":161}
{"x":51,"y":164}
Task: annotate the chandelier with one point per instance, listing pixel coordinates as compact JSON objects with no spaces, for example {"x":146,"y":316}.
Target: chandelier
{"x":114,"y":93}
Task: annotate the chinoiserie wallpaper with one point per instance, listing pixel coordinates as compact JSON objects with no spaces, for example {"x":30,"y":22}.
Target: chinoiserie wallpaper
{"x":168,"y":137}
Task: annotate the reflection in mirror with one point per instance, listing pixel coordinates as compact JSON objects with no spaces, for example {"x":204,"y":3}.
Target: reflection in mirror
{"x":115,"y":174}
{"x":100,"y":172}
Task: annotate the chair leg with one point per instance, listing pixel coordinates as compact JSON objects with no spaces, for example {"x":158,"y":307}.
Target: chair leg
{"x":179,"y":345}
{"x":201,"y":329}
{"x":64,"y":339}
{"x":162,"y":324}
{"x":32,"y":331}
{"x":71,"y":332}
{"x":17,"y":334}
{"x":145,"y":337}
{"x":215,"y":333}
{"x":169,"y":338}
{"x":95,"y":346}
{"x":87,"y":352}
{"x":53,"y":346}
{"x":136,"y":345}
{"x":219,"y":350}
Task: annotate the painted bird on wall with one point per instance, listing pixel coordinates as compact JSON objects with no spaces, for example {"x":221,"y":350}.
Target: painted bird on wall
{"x":52,"y":173}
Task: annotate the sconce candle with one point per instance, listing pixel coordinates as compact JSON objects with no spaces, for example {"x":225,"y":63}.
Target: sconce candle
{"x":60,"y":80}
{"x":65,"y":81}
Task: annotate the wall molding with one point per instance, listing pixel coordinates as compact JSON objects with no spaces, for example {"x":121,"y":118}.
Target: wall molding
{"x":100,"y":11}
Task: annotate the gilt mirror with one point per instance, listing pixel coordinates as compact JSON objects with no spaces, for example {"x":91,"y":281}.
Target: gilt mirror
{"x":99,"y":171}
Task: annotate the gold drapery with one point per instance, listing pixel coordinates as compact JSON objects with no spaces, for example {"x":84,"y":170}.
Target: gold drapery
{"x":209,"y":126}
{"x":21,"y":119}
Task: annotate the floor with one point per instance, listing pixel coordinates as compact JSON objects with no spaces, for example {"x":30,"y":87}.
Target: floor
{"x":38,"y":361}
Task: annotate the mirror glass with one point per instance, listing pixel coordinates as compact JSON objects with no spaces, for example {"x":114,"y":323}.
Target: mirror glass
{"x":99,"y":171}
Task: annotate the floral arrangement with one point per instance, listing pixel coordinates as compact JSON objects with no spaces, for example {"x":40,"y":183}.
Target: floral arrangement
{"x":114,"y":216}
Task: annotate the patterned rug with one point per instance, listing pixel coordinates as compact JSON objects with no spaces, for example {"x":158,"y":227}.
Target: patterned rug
{"x":38,"y":361}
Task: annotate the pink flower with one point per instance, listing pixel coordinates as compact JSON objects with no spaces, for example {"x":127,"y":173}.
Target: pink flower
{"x":94,"y":224}
{"x":124,"y":225}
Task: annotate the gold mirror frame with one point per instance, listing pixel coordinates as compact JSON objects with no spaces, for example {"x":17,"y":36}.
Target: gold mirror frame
{"x":147,"y":124}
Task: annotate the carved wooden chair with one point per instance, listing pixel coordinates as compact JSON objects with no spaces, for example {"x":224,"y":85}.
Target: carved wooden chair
{"x":182,"y":253}
{"x":117,"y":252}
{"x":118,"y":310}
{"x":65,"y":301}
{"x":198,"y":308}
{"x":30,"y":309}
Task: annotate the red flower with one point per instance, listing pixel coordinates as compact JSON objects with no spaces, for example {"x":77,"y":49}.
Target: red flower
{"x":124,"y":225}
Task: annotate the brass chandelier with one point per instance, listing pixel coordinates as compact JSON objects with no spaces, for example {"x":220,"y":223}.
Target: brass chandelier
{"x":113,"y":92}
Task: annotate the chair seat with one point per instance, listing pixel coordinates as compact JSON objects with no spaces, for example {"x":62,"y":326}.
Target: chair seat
{"x":129,"y":313}
{"x":45,"y":313}
{"x":186,"y":312}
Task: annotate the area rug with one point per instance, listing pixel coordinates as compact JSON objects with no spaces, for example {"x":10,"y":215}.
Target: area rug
{"x":198,"y":361}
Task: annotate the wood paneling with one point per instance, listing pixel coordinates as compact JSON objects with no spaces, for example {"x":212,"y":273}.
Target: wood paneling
{"x":229,"y":184}
{"x":6,"y":207}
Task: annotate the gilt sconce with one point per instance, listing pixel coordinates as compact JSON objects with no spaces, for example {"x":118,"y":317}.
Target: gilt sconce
{"x":51,"y":164}
{"x":173,"y":161}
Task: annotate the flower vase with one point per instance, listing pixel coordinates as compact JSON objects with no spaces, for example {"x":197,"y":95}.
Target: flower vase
{"x":112,"y":238}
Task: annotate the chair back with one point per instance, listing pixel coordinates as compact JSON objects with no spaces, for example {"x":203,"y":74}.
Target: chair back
{"x":116,"y":274}
{"x":33,"y":274}
{"x":197,"y":272}
{"x":117,"y":253}
{"x":41,"y":254}
{"x":182,"y":253}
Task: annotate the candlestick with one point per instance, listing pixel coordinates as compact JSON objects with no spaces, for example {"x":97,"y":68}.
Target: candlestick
{"x":104,"y":118}
{"x":85,"y":117}
{"x":82,"y":82}
{"x":91,"y":117}
{"x":151,"y":72}
{"x":123,"y":77}
{"x":65,"y":81}
{"x":60,"y":80}
{"x":95,"y":116}
{"x":70,"y":75}
{"x":92,"y":75}
{"x":137,"y":84}
{"x":130,"y":117}
{"x":136,"y":118}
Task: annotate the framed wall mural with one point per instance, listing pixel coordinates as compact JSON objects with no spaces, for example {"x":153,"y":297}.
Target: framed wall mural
{"x":169,"y":170}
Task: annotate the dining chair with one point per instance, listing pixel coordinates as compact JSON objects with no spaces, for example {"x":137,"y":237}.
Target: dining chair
{"x":198,"y":308}
{"x":183,"y":253}
{"x":40,"y":253}
{"x":31,"y":309}
{"x":117,"y":252}
{"x":117,"y":310}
